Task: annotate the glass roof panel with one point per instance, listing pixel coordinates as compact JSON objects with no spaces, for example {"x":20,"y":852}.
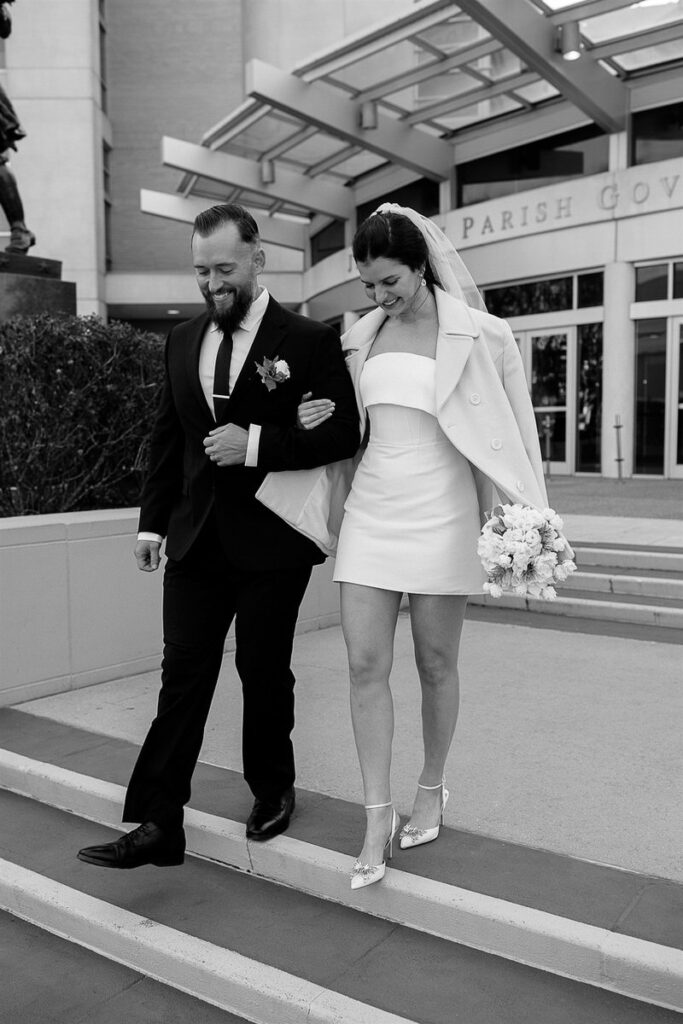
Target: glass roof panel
{"x":210,"y":189}
{"x":481,"y":111}
{"x":261,"y":135}
{"x":317,"y":147}
{"x":394,"y":60}
{"x":440,"y":87}
{"x":454,"y":34}
{"x":559,"y":5}
{"x":359,"y":164}
{"x":264,"y":202}
{"x":650,"y":56}
{"x":500,"y":64}
{"x":638,"y":17}
{"x":537,"y":92}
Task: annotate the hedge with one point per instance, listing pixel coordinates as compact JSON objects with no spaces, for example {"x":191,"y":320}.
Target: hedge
{"x":77,"y":398}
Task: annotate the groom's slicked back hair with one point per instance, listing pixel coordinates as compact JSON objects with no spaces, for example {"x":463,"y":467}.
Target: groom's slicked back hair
{"x":216,"y":217}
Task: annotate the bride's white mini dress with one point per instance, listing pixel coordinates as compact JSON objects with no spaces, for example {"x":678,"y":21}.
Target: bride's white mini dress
{"x":411,"y":520}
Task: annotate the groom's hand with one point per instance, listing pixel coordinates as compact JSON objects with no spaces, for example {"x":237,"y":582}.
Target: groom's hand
{"x":227,"y":446}
{"x":147,"y":555}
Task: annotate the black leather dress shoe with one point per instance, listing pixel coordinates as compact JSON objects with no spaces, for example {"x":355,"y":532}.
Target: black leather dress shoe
{"x":146,"y":844}
{"x":270,"y":817}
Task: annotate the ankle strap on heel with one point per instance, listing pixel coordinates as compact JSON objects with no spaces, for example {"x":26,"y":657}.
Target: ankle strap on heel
{"x":438,"y":786}
{"x":371,"y":807}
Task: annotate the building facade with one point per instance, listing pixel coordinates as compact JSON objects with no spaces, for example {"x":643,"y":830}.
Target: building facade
{"x":560,"y":181}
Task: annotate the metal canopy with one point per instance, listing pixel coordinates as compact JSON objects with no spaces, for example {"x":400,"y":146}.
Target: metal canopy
{"x":408,"y":93}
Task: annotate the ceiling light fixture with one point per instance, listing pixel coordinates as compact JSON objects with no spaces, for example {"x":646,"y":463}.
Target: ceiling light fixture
{"x":569,"y":40}
{"x":367,"y":117}
{"x":267,"y":172}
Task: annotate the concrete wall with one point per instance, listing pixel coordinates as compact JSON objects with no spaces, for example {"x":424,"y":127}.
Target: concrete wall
{"x":75,"y":610}
{"x":289,"y":32}
{"x":173,"y":69}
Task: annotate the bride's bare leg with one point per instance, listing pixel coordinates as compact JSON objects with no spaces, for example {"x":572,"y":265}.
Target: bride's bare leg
{"x":436,"y":622}
{"x":368,"y":618}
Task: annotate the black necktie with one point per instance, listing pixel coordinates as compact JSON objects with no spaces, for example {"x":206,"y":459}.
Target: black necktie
{"x":221,"y":376}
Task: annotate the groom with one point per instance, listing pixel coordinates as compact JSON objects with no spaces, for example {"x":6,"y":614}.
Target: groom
{"x":227,"y":417}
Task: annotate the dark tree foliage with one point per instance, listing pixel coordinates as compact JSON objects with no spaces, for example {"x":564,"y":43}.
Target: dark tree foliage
{"x":77,"y":399}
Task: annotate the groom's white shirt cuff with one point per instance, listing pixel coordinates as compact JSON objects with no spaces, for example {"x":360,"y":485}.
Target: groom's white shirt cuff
{"x":251,"y":459}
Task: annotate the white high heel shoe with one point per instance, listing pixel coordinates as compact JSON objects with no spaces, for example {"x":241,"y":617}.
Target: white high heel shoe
{"x":411,"y":836}
{"x":366,"y":874}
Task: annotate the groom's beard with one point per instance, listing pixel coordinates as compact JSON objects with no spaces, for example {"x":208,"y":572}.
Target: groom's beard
{"x":228,"y":320}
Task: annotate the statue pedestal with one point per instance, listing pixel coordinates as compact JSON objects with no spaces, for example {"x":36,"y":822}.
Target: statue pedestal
{"x":30,"y":284}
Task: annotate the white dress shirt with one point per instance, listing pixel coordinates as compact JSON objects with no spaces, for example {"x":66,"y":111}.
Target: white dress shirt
{"x":242,"y":339}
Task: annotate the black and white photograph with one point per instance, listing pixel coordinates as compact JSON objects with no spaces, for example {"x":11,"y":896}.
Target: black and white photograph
{"x":341,"y":511}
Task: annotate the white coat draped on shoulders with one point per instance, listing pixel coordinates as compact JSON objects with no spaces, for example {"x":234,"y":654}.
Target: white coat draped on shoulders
{"x":483,"y":407}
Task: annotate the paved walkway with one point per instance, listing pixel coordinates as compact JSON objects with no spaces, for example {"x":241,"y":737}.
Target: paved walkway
{"x":625,"y":531}
{"x":566,"y":741}
{"x":641,"y":498}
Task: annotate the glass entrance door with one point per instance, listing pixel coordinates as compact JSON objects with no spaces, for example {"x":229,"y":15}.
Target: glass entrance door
{"x":676,"y":400}
{"x":550,"y":363}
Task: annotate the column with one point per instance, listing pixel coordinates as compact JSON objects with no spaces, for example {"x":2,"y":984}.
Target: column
{"x":618,"y":368}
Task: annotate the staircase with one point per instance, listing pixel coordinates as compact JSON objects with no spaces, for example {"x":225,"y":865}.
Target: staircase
{"x":625,"y":590}
{"x":467,"y":929}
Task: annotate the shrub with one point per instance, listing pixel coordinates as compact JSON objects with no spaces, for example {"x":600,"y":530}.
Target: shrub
{"x":77,"y":397}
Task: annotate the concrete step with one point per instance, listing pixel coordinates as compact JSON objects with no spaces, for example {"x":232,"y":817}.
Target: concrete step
{"x":614,"y":585}
{"x":607,"y":927}
{"x":585,"y":604}
{"x":620,"y":583}
{"x":50,"y":980}
{"x":633,"y":558}
{"x":271,"y":953}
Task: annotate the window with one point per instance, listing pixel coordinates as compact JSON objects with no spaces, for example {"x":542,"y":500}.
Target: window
{"x":650,"y":395}
{"x":589,"y":289}
{"x":106,"y":194}
{"x":584,"y":151}
{"x":530,"y":297}
{"x":522,"y":298}
{"x":103,"y":59}
{"x":678,"y":281}
{"x":327,"y":241}
{"x":422,"y":195}
{"x":657,"y":134}
{"x":652,"y":282}
{"x":588,"y":398}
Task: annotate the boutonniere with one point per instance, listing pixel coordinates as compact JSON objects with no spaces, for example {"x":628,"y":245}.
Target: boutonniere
{"x":273,"y":372}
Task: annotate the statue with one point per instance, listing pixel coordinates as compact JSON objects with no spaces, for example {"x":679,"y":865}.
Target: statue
{"x":11,"y":132}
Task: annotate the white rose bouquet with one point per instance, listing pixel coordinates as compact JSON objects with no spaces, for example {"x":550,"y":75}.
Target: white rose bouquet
{"x":523,"y":551}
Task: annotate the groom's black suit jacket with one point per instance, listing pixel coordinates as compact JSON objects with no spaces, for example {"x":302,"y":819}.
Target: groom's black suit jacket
{"x":183,"y":485}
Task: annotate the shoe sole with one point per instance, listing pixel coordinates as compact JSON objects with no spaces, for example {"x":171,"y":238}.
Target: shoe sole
{"x":165,"y":862}
{"x":261,"y":837}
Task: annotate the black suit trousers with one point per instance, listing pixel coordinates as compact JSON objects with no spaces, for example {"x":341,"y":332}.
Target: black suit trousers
{"x":203,"y":593}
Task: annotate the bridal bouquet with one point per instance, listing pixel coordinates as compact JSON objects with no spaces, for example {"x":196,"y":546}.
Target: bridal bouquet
{"x":521,"y":550}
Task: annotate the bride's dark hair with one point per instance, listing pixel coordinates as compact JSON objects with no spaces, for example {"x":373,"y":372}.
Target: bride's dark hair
{"x":394,"y":237}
